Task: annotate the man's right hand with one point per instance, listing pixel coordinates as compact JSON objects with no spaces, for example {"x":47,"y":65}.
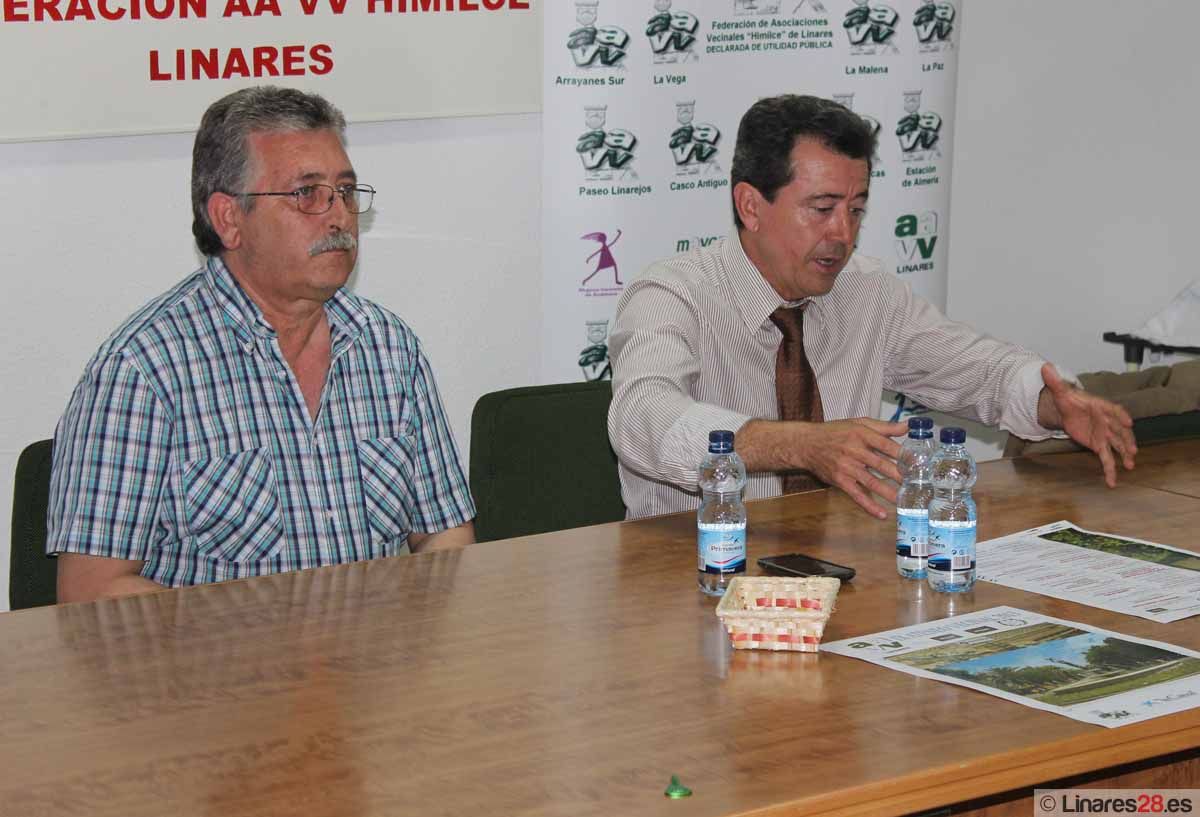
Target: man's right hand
{"x":842,"y":453}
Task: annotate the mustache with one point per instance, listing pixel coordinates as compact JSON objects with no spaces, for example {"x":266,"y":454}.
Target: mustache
{"x":834,"y":249}
{"x":340,"y":240}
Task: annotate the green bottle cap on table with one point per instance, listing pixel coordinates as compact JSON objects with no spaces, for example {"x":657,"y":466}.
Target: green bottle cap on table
{"x":677,"y":790}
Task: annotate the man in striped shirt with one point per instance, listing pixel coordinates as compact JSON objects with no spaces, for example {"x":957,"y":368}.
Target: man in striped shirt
{"x":258,"y":417}
{"x":695,"y":340}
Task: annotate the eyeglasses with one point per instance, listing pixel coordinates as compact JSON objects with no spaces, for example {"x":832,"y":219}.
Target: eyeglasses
{"x":316,"y":199}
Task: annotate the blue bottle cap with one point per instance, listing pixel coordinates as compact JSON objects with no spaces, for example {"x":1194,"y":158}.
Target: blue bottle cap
{"x":953,"y":436}
{"x":920,"y":428}
{"x":720,"y":442}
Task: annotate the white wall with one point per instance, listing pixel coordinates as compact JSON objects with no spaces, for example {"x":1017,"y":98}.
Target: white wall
{"x":1072,"y":202}
{"x":1076,"y":171}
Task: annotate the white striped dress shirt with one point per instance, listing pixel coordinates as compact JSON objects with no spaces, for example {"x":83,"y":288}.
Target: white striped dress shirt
{"x":693,"y":349}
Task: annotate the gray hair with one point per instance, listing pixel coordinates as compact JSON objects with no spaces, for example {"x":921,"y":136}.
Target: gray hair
{"x":221,"y":160}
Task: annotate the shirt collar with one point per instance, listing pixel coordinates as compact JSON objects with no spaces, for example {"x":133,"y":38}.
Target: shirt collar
{"x":347,"y":318}
{"x":239,"y":309}
{"x":755,"y":298}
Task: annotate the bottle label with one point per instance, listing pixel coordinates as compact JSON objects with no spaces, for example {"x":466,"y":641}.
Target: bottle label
{"x":951,"y":545}
{"x":722,"y":548}
{"x":912,"y":532}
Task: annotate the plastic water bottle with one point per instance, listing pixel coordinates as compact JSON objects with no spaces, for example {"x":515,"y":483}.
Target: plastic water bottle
{"x":721,"y":520}
{"x":952,"y":516}
{"x":912,"y":500}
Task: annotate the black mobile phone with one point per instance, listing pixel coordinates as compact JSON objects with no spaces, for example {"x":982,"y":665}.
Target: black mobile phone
{"x":797,"y":564}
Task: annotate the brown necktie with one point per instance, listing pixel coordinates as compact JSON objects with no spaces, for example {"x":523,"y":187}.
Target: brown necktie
{"x":795,"y":386}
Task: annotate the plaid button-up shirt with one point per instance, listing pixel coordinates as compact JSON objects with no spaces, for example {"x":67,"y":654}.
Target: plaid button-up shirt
{"x":188,"y":444}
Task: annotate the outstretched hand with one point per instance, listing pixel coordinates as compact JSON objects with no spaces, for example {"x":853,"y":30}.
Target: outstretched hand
{"x":1091,"y":421}
{"x":844,"y":452}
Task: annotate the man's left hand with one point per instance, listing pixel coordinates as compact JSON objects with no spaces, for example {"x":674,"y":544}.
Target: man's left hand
{"x":1091,"y":421}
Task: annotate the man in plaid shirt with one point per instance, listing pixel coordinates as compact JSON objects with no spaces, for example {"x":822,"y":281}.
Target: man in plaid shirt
{"x":257,"y":417}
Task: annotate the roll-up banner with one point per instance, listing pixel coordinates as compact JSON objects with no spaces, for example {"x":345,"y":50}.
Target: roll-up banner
{"x":641,"y":104}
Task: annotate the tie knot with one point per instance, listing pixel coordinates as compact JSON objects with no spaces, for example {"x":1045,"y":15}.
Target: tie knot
{"x":789,"y":320}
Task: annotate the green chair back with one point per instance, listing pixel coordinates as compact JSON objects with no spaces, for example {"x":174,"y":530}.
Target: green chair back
{"x":540,"y":460}
{"x":33,"y":575}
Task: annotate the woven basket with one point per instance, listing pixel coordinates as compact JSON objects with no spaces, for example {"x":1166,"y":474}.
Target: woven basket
{"x":777,"y":612}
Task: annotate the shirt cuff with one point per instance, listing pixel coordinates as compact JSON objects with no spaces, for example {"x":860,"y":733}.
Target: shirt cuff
{"x":686,"y":441}
{"x":1022,"y":417}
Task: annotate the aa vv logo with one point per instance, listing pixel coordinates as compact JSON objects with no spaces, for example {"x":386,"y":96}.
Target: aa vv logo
{"x":672,"y":34}
{"x":934,"y":22}
{"x":918,"y":131}
{"x":871,"y":28}
{"x":916,"y":239}
{"x":693,"y":144}
{"x":593,"y":46}
{"x":605,"y":153}
{"x":593,"y":360}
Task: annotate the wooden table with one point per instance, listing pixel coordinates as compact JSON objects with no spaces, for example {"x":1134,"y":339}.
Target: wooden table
{"x":564,"y":674}
{"x":1173,"y":466}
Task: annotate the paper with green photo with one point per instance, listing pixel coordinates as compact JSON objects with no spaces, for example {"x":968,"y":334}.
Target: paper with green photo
{"x":1082,"y":672}
{"x":1118,"y":573}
